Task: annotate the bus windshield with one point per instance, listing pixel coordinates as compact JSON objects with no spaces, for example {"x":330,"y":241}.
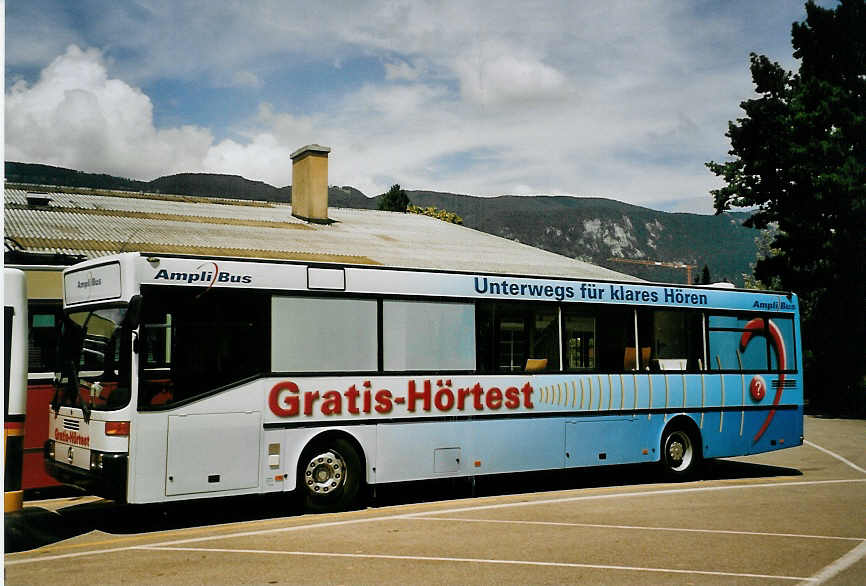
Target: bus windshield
{"x":95,"y":361}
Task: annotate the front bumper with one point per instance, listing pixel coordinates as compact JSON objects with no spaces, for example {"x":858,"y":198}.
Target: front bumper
{"x":107,"y":479}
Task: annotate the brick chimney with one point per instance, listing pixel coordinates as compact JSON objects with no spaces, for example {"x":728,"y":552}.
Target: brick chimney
{"x":310,"y":183}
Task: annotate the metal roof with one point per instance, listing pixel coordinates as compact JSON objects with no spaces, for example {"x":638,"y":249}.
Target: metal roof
{"x":104,"y":222}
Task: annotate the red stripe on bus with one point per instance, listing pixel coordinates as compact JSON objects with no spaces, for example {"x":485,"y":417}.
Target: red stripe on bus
{"x":14,"y":426}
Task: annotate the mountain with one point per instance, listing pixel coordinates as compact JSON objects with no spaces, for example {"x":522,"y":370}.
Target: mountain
{"x":590,"y":229}
{"x":214,"y":185}
{"x":596,"y":229}
{"x":48,"y":175}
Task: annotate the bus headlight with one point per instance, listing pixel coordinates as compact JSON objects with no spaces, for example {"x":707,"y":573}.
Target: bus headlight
{"x":96,"y":461}
{"x":49,"y":450}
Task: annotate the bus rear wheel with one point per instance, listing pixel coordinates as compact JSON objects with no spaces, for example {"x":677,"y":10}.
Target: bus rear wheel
{"x":681,"y":454}
{"x":329,"y":475}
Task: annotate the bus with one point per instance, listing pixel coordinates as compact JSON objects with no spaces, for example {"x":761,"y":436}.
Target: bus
{"x":14,"y":384}
{"x":44,"y":316}
{"x":185,"y":377}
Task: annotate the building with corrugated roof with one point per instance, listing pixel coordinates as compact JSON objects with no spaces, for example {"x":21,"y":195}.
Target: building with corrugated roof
{"x":91,"y":223}
{"x":74,"y":222}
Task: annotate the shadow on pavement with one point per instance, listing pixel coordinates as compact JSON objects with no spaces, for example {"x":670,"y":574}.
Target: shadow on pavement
{"x":731,"y":469}
{"x":553,"y":480}
{"x":35,"y":526}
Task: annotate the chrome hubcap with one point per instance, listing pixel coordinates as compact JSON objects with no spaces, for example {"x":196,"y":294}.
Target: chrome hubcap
{"x":325,"y":472}
{"x":676,"y":451}
{"x":679,"y":450}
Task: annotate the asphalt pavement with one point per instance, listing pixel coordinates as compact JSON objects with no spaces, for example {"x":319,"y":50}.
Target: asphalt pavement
{"x":798,"y":515}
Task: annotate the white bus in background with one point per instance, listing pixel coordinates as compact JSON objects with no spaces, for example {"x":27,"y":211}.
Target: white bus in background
{"x":187,"y":377}
{"x":44,"y":315}
{"x":14,"y":384}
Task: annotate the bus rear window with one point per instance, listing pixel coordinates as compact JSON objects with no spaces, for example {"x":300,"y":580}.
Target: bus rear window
{"x":751,"y":343}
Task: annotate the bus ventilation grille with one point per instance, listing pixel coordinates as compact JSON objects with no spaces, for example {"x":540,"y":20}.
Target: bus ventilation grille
{"x":71,"y":424}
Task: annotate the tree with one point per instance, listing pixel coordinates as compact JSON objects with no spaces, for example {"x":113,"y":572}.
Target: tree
{"x":395,"y":200}
{"x":705,"y":276}
{"x":763,"y":246}
{"x":799,"y":159}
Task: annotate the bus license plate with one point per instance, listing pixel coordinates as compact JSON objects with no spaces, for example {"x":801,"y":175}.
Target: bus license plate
{"x":72,"y":455}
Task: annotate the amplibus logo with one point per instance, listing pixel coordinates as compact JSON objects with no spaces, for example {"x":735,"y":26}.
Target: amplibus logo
{"x":207,"y":273}
{"x":287,"y":400}
{"x":71,"y":437}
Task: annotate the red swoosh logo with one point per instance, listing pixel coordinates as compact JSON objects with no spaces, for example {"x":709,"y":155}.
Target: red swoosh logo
{"x":756,"y":328}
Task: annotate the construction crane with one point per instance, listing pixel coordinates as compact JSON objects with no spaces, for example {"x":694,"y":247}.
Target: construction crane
{"x":658,"y":263}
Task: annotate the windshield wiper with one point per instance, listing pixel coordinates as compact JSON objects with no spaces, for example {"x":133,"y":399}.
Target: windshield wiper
{"x":87,"y":406}
{"x":65,"y":385}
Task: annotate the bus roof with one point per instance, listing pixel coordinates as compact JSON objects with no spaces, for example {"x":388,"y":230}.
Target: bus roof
{"x":101,"y":281}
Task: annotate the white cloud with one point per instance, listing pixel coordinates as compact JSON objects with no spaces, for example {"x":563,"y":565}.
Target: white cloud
{"x":262,"y":158}
{"x":491,"y":74}
{"x":618,"y":99}
{"x":76,"y":116}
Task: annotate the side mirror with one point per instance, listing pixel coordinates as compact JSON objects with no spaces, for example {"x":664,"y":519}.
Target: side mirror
{"x":133,"y":313}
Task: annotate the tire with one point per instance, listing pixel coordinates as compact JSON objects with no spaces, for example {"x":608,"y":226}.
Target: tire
{"x":680,"y":453}
{"x":329,"y":475}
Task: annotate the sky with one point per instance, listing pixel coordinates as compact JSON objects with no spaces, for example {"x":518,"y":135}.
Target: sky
{"x":619,"y":99}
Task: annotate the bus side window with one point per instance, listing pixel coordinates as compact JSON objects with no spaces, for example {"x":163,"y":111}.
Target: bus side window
{"x":580,"y":339}
{"x":517,"y":337}
{"x":615,"y":330}
{"x":197,"y":341}
{"x":447,"y":342}
{"x":157,"y":387}
{"x":671,"y":338}
{"x":43,"y":336}
{"x":323,"y":334}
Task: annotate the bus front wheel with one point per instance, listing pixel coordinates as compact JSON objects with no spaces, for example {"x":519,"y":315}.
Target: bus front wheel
{"x":681,"y":453}
{"x":329,"y":475}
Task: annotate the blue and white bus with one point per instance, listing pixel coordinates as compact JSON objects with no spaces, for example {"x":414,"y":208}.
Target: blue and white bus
{"x":187,"y":377}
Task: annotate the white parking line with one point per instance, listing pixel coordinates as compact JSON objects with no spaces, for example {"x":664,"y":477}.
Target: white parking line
{"x":835,"y":455}
{"x":572,"y":499}
{"x":173,"y":542}
{"x":48,"y":558}
{"x":840,"y":565}
{"x":638,"y":528}
{"x":253,"y":533}
{"x":474,"y":561}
